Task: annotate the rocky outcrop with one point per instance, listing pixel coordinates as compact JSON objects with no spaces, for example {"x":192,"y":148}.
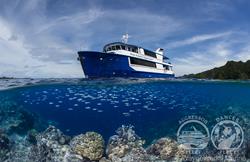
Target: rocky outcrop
{"x":89,"y":145}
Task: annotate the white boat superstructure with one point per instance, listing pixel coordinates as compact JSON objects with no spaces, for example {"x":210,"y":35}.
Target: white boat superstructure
{"x":154,"y":62}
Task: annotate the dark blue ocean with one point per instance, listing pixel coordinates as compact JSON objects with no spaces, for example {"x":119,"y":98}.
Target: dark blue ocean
{"x":153,"y":107}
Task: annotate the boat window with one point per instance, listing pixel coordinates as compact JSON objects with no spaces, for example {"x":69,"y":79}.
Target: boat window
{"x":141,"y":62}
{"x":149,"y":53}
{"x":129,"y":49}
{"x":118,"y":47}
{"x":109,"y":49}
{"x":135,"y":50}
{"x":166,"y":67}
{"x":113,"y":47}
{"x":123,"y":47}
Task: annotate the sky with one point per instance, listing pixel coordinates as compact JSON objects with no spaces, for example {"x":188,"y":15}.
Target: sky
{"x":40,"y":38}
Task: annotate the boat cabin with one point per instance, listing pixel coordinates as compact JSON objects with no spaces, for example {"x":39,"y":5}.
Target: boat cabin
{"x":119,"y":47}
{"x":135,"y":49}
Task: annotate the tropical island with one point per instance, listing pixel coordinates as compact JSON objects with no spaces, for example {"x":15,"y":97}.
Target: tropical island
{"x":232,"y":70}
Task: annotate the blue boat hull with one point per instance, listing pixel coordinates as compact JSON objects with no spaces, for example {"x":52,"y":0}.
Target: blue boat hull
{"x":101,"y":65}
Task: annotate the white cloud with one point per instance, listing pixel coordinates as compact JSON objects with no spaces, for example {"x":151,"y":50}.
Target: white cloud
{"x":144,"y":26}
{"x":75,"y":20}
{"x":43,"y":46}
{"x":38,"y":43}
{"x":40,"y":47}
{"x":16,"y":60}
{"x":197,"y":39}
{"x":206,"y":58}
{"x":221,"y":50}
{"x":215,"y":11}
{"x":244,"y":54}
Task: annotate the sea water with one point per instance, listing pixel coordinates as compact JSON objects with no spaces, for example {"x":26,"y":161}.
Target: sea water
{"x":154,"y":107}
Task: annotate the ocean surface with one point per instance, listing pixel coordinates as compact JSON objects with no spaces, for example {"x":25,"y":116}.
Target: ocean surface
{"x":154,"y":107}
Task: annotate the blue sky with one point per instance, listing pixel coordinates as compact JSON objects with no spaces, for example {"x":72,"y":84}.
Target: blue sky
{"x":40,"y":38}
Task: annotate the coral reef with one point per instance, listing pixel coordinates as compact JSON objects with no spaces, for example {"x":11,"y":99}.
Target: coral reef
{"x":4,"y":146}
{"x":15,"y":123}
{"x":21,"y":140}
{"x":89,"y":145}
{"x":122,"y":143}
{"x":126,"y":146}
{"x":14,"y":119}
{"x":167,"y":149}
{"x":51,"y":145}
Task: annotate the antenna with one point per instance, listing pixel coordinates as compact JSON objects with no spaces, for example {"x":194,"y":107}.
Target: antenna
{"x":125,"y":38}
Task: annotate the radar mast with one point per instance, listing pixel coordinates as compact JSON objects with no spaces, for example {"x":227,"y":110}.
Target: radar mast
{"x":125,"y":38}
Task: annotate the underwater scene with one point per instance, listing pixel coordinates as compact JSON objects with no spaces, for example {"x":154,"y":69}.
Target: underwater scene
{"x":124,"y":120}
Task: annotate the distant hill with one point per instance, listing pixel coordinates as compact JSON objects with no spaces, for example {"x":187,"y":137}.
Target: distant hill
{"x":6,"y":78}
{"x":231,"y":70}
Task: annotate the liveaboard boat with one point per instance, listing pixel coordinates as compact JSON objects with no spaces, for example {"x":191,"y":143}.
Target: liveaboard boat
{"x":120,"y":59}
